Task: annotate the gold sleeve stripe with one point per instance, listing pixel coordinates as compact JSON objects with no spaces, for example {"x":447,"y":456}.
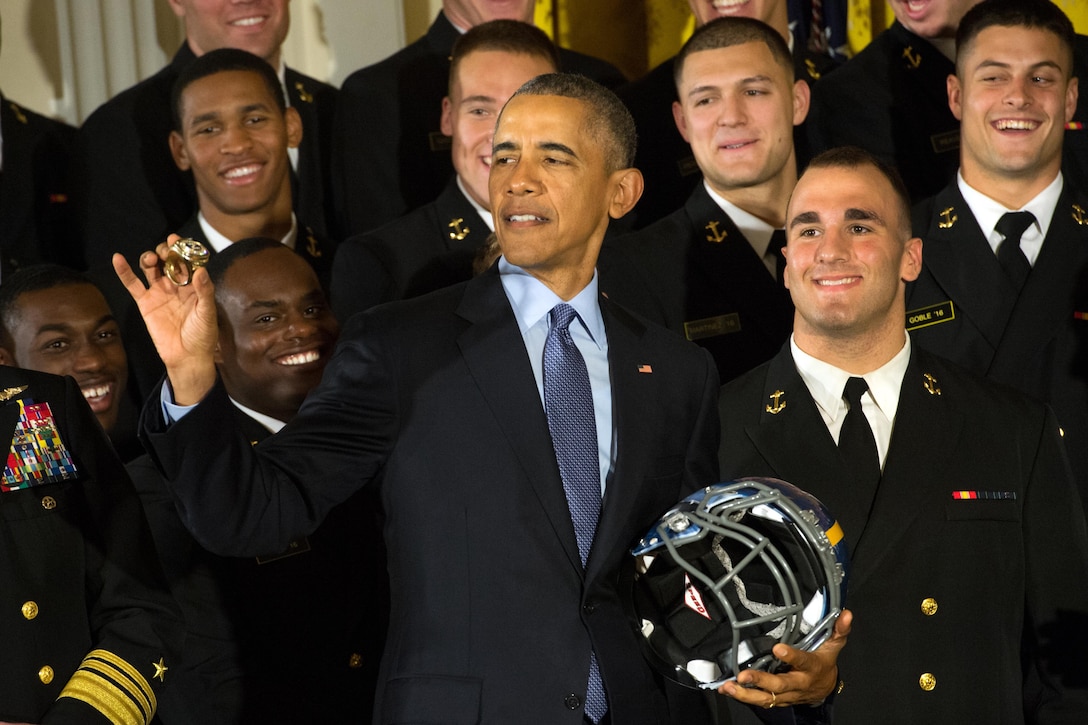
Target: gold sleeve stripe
{"x":137,"y":686}
{"x":112,"y":686}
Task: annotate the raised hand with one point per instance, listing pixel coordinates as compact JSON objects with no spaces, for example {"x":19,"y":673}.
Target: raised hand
{"x":180,"y":320}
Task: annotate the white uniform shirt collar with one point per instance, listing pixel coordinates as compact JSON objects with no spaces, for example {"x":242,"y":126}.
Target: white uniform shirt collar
{"x":826,"y":382}
{"x":755,"y":230}
{"x":266,"y":420}
{"x":988,"y":212}
{"x":219,"y":242}
{"x":484,"y":213}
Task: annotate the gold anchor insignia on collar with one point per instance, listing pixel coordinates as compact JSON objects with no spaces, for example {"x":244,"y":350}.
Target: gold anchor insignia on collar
{"x":303,"y":94}
{"x":1078,"y":215}
{"x":312,"y":247}
{"x":913,"y":59}
{"x":9,"y":393}
{"x":460,"y":231}
{"x":19,"y":115}
{"x":948,"y":218}
{"x":716,"y":235}
{"x":810,"y":67}
{"x":930,"y":384}
{"x":777,"y":404}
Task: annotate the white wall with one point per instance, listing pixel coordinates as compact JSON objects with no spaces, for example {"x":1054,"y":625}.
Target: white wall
{"x":64,"y":57}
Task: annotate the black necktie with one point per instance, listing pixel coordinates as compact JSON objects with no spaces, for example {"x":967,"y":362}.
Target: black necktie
{"x":856,"y":441}
{"x":857,"y":446}
{"x":1012,"y":226}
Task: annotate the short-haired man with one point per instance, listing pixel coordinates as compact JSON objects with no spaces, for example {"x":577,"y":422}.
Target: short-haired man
{"x":434,"y":245}
{"x":890,"y":98}
{"x":55,"y":320}
{"x":134,"y":191}
{"x":710,"y":270}
{"x":664,"y":156}
{"x":390,"y":154}
{"x":492,"y":416}
{"x":954,"y":493}
{"x":321,"y":600}
{"x":234,"y":132}
{"x":997,"y":297}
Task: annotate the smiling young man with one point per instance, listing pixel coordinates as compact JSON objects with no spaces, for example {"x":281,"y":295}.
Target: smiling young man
{"x":664,"y":156}
{"x":439,"y":403}
{"x":134,"y":192}
{"x":1006,"y":301}
{"x":710,"y":270}
{"x":233,"y":132}
{"x":55,"y":320}
{"x":953,"y":492}
{"x":434,"y":245}
{"x":321,"y":600}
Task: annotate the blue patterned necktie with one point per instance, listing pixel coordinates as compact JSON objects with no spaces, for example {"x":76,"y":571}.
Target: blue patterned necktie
{"x":568,"y":402}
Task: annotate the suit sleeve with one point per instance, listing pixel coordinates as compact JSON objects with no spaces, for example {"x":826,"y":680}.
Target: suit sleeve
{"x":244,"y":500}
{"x":136,"y":629}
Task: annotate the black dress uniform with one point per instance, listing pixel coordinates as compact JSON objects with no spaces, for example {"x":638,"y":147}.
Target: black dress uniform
{"x":293,"y":637}
{"x":695,"y":273}
{"x":390,"y":156}
{"x":134,"y":192}
{"x":966,"y":578}
{"x":90,"y":631}
{"x":664,"y":157}
{"x":37,"y":215}
{"x":964,"y":307}
{"x":892,"y":100}
{"x":426,"y":249}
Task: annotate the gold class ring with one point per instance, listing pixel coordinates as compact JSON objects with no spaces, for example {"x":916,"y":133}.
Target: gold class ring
{"x":183,"y":259}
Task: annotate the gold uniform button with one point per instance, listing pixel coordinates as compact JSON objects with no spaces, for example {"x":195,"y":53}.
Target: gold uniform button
{"x":927,"y":681}
{"x":49,"y":503}
{"x":356,"y":660}
{"x":30,"y":610}
{"x":45,"y":674}
{"x":929,"y":606}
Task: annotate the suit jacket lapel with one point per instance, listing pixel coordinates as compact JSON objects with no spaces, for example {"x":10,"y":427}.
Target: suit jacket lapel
{"x":625,"y":355}
{"x":963,"y":264}
{"x":924,"y":436}
{"x":494,"y":352}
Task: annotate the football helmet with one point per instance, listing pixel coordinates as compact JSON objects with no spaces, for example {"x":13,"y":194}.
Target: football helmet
{"x":730,"y":571}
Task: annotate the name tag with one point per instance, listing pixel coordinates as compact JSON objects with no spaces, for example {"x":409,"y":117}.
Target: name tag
{"x":945,"y":142}
{"x":687,"y":166}
{"x":932,"y":315}
{"x":440,"y":142}
{"x":712,"y":326}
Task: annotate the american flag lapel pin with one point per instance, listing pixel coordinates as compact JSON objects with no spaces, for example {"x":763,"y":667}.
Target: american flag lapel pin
{"x":645,"y":369}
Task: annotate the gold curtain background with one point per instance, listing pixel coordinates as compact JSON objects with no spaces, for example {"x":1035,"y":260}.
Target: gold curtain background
{"x":605,"y":28}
